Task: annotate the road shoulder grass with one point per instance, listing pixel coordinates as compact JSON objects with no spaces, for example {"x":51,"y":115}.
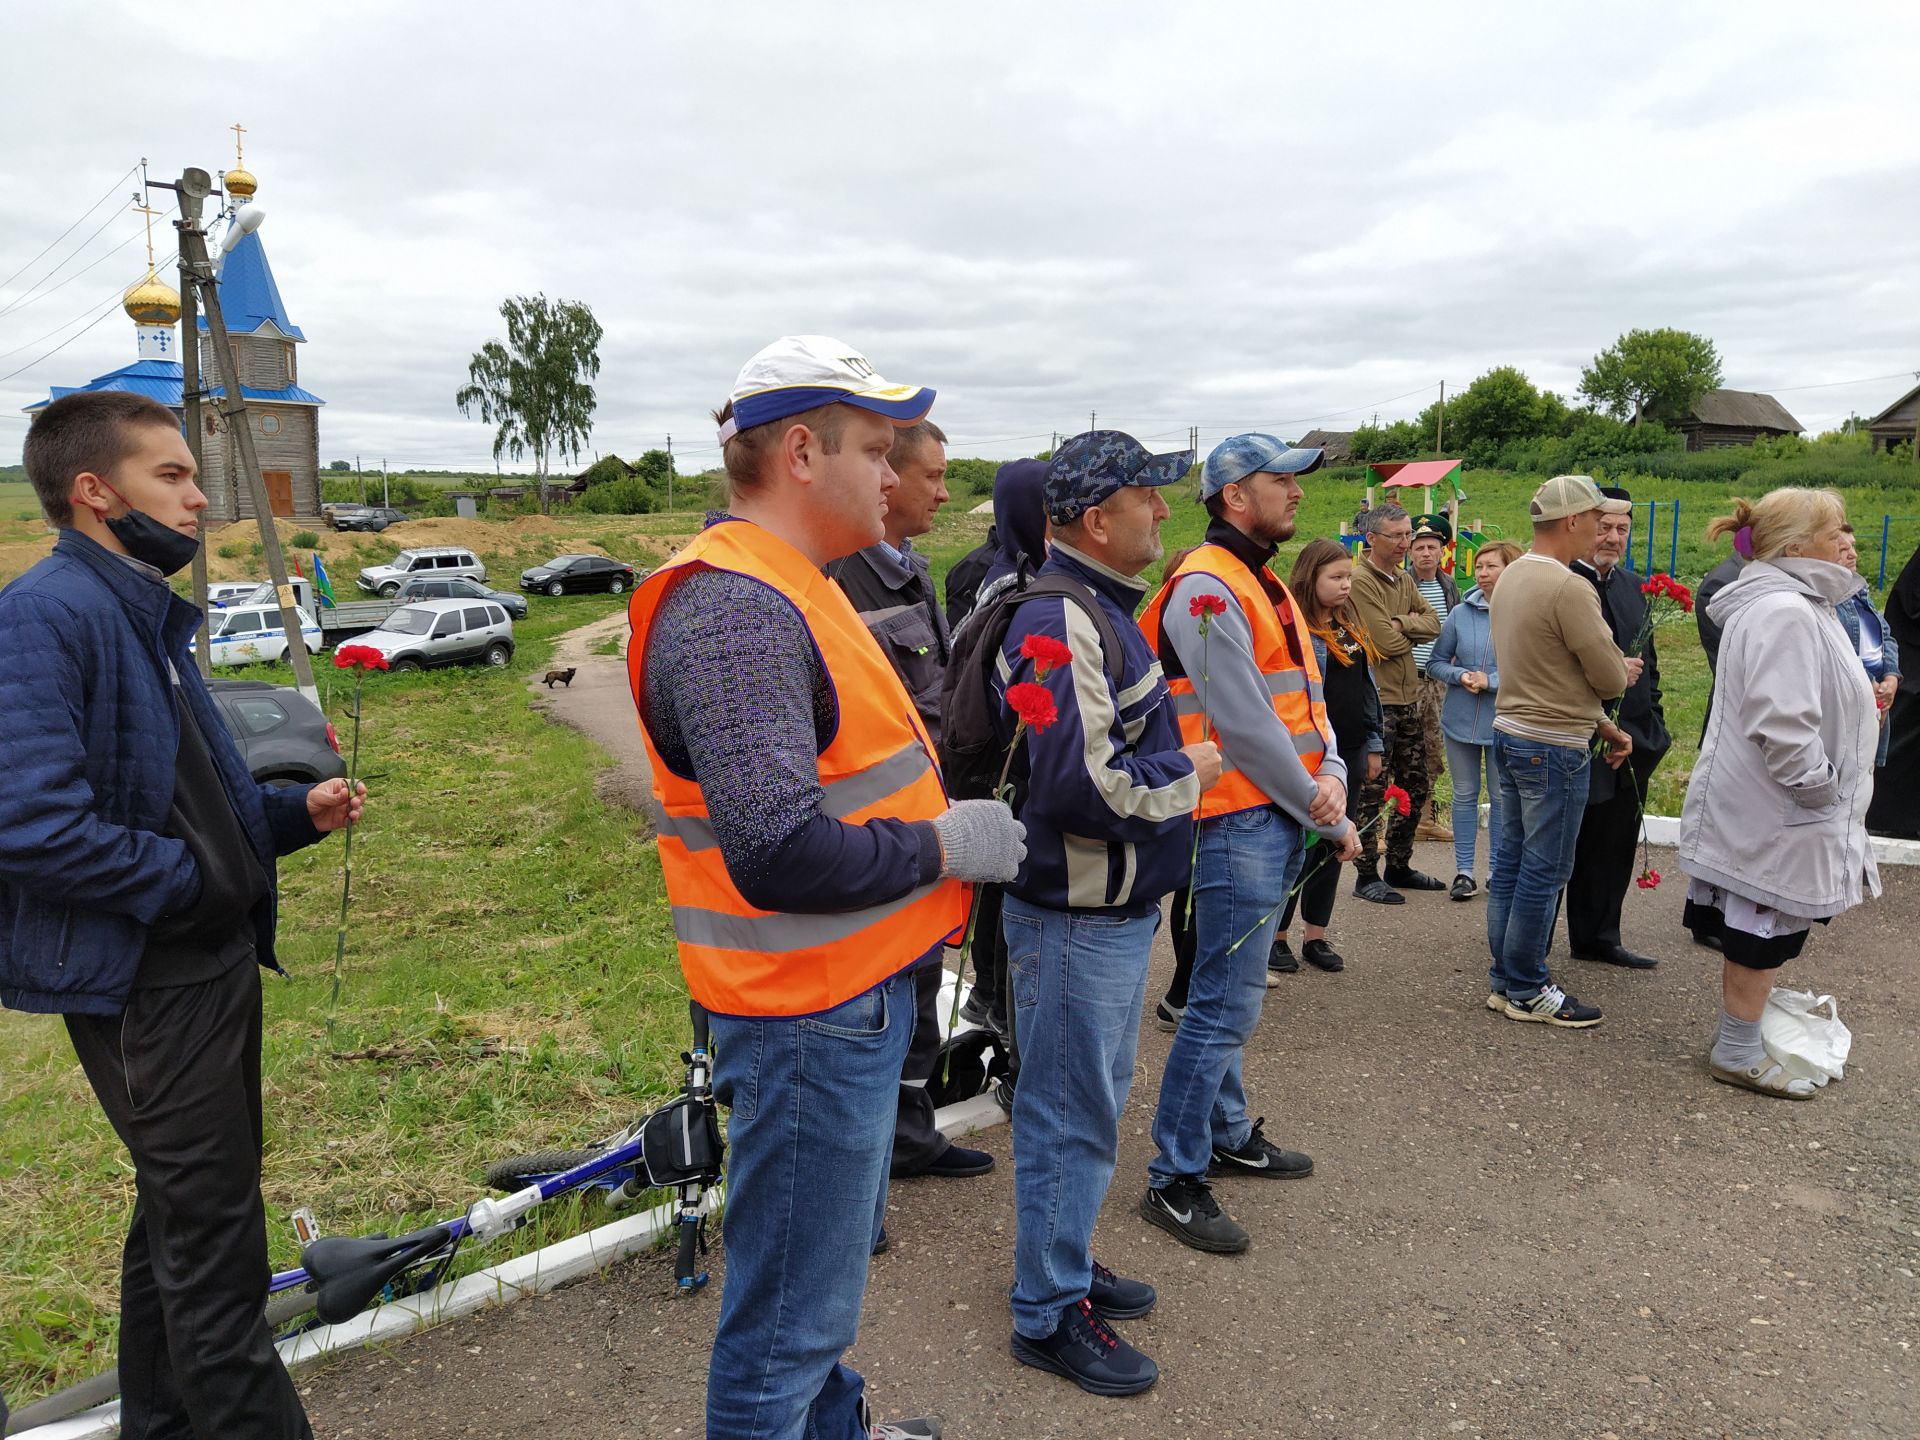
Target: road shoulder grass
{"x":510,"y":985}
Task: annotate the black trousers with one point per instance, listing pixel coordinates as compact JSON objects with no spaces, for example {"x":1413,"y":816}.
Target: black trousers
{"x":917,"y":1141}
{"x":1603,"y":865}
{"x":1315,"y":897}
{"x":1186,"y":943}
{"x":178,"y":1073}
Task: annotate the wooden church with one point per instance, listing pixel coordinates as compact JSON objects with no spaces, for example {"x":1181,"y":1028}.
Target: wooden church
{"x":285,"y":417}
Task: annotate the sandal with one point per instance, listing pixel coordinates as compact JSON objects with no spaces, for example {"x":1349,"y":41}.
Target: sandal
{"x":1766,"y":1077}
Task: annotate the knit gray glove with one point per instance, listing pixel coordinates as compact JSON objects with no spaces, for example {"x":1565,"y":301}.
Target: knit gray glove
{"x":980,"y":840}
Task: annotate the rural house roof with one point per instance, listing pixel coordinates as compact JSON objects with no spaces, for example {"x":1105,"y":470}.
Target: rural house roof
{"x":1743,"y":409}
{"x":1886,"y":415}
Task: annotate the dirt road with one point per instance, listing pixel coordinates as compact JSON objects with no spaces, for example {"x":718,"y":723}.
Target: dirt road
{"x":1511,"y":1233}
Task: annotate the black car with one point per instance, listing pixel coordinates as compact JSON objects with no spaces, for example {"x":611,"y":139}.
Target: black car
{"x":282,"y":735}
{"x":460,"y":587}
{"x":573,"y":573}
{"x":375,"y":518}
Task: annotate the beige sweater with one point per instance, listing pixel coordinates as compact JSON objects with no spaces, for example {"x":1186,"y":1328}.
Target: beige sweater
{"x":1379,"y":599}
{"x":1557,"y":658}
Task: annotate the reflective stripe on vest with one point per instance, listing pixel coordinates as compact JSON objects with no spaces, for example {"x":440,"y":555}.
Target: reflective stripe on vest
{"x":741,"y":960}
{"x":1299,"y":700}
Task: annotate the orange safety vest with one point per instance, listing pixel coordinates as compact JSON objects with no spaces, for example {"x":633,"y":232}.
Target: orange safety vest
{"x":740,"y":960}
{"x":1298,"y":698}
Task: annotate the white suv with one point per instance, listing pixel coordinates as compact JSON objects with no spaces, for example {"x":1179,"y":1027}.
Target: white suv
{"x":440,"y":562}
{"x":443,"y":632}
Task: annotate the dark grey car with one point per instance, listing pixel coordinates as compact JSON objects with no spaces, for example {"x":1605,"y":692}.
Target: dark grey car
{"x":282,"y":735}
{"x":462,"y":587}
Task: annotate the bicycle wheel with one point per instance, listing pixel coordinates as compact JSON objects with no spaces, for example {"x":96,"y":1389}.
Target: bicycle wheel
{"x":517,"y":1172}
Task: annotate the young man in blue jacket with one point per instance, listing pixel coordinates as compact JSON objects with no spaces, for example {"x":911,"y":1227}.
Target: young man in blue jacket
{"x":137,"y":899}
{"x":1110,"y":795}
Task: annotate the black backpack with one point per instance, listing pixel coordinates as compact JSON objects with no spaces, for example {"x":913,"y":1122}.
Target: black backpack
{"x":963,"y":580}
{"x":971,"y":752}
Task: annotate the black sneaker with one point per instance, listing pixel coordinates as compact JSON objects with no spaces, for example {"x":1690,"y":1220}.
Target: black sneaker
{"x":1405,"y":877}
{"x":1186,"y":1210}
{"x":1084,"y":1348}
{"x":1168,"y":1017}
{"x":881,"y":1243}
{"x":1322,"y":956}
{"x":1280,"y":960}
{"x":1260,"y":1156}
{"x":1553,"y":1006}
{"x":1463,"y":888}
{"x":956,"y":1162}
{"x":1117,"y":1299}
{"x":1372,"y":887}
{"x":976,"y":1009}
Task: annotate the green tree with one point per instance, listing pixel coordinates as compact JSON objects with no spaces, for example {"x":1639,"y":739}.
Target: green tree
{"x":534,"y":389}
{"x":605,"y":469}
{"x":1652,"y":375}
{"x":339,"y":467}
{"x":1500,"y":407}
{"x":654,"y":467}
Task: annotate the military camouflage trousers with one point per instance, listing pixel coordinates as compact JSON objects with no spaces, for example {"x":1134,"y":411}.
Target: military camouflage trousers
{"x":1405,"y":765}
{"x":1433,"y":694}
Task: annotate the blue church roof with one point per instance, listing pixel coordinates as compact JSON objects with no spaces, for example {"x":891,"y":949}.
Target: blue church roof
{"x":160,"y":380}
{"x":248,"y":297}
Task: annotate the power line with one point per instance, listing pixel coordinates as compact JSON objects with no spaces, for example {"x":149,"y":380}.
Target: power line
{"x":63,"y":344}
{"x":35,"y":295}
{"x":70,"y":229}
{"x":1834,"y":384}
{"x":100,"y":260}
{"x":28,"y":345}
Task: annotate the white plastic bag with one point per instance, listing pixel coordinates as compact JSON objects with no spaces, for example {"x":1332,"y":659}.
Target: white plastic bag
{"x":1803,"y":1034}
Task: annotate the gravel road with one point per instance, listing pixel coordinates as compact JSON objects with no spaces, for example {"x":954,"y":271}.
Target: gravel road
{"x":1511,"y":1232}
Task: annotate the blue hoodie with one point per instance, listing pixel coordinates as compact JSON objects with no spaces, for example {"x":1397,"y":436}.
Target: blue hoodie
{"x":1109,"y":818}
{"x":1466,"y":643}
{"x":1019,"y":519}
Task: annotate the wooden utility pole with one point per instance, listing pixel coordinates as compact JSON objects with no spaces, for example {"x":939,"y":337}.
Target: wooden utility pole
{"x":196,"y":273}
{"x":1440,"y":423}
{"x":669,"y":473}
{"x":190,"y":402}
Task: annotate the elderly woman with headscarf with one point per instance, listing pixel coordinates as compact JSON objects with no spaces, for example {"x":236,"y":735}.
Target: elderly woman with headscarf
{"x":1773,"y":835}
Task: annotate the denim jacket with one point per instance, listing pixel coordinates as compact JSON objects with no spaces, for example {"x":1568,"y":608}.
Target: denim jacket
{"x":1466,"y":643}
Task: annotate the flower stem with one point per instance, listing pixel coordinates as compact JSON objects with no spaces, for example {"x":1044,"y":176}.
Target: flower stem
{"x":346,"y":883}
{"x":1305,"y":876}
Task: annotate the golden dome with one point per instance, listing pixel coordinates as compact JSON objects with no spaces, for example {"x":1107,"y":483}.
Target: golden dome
{"x":241,"y":184}
{"x":152,"y":302}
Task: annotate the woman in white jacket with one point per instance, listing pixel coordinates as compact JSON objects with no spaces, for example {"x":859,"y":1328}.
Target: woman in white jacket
{"x":1773,"y":835}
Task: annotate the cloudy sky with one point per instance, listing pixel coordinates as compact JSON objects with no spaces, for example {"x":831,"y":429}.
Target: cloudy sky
{"x":1231,"y":216}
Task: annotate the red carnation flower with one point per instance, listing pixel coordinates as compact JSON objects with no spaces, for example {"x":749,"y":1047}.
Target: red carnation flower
{"x":359,"y":657}
{"x":1046,"y":653}
{"x":1207,"y":605}
{"x":1401,"y":801}
{"x":1033,"y":704}
{"x":1648,"y":879}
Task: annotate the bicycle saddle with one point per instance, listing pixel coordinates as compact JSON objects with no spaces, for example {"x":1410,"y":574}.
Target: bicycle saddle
{"x":344,"y":1273}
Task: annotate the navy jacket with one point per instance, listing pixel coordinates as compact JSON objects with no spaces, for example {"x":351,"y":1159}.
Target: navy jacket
{"x":1109,"y":810}
{"x":88,"y":735}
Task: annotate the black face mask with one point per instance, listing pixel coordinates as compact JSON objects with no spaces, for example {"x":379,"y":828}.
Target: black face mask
{"x":150,"y":542}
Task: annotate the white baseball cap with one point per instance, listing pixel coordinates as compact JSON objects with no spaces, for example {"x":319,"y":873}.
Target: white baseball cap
{"x":802,"y":372}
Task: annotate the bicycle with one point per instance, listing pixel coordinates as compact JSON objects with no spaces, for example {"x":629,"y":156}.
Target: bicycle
{"x":677,"y":1147}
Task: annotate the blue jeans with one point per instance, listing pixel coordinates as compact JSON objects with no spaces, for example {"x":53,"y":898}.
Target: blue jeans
{"x":1078,"y":979}
{"x":1464,"y":762}
{"x":1542,"y":797}
{"x":810,"y":1136}
{"x":1247,"y":863}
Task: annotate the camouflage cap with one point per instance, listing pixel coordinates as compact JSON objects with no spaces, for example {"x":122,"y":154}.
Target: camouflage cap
{"x":1088,"y":468}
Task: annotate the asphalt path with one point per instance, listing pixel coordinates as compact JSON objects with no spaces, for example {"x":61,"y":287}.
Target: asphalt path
{"x":1512,"y":1231}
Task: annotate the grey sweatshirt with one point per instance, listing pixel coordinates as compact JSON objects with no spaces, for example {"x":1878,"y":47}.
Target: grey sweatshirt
{"x":1235,"y":697}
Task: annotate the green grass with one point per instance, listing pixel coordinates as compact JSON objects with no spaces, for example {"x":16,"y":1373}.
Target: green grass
{"x":1497,"y":503}
{"x":510,"y":985}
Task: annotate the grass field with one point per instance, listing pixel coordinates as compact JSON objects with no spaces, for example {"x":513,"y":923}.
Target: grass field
{"x":510,"y":985}
{"x":510,"y":981}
